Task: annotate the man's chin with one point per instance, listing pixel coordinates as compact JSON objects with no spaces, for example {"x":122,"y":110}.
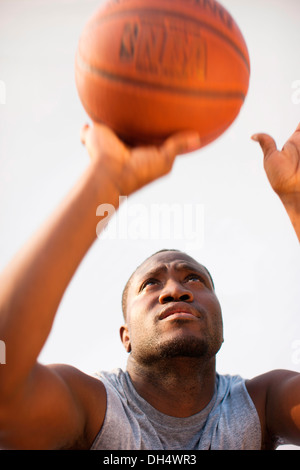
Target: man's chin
{"x":188,"y":347}
{"x":183,"y":347}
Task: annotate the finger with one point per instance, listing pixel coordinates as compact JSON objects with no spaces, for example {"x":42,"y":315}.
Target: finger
{"x":266,"y":142}
{"x":83,"y":133}
{"x":183,"y":142}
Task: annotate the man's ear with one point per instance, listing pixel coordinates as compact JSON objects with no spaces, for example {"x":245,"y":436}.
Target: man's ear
{"x":124,"y":334}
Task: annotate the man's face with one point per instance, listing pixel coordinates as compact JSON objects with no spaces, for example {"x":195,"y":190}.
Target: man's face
{"x":172,"y":310}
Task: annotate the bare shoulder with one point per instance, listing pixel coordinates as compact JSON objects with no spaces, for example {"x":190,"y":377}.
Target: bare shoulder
{"x":89,"y":392}
{"x":57,"y":407}
{"x":276,"y":396}
{"x":78,"y":380}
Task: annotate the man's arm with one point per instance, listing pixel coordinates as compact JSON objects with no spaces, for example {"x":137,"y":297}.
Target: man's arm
{"x":277,"y":393}
{"x":276,"y":396}
{"x":283,"y":171}
{"x":49,"y":407}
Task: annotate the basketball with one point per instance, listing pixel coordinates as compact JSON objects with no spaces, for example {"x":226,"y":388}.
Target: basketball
{"x":151,"y":68}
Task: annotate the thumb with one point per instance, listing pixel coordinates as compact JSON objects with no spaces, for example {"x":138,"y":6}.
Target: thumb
{"x":267,"y":143}
{"x":182,"y":142}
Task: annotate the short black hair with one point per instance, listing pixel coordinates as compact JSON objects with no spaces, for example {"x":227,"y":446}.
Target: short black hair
{"x":128,"y":283}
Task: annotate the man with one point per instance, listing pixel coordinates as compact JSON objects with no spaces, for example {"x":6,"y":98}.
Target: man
{"x":173,"y":329}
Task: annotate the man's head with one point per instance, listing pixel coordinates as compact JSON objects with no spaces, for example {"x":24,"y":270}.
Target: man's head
{"x":170,"y":308}
{"x":128,"y":283}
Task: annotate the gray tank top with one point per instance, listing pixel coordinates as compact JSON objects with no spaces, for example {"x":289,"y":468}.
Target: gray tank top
{"x":229,"y":422}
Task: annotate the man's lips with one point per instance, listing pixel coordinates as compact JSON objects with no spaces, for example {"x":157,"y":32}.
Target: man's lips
{"x":179,"y":310}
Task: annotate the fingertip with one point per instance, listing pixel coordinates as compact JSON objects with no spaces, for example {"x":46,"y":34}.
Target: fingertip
{"x":193,"y":142}
{"x":185,"y":142}
{"x":266,"y":142}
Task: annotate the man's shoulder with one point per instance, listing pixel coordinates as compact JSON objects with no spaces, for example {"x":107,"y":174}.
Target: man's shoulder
{"x":266,"y":391}
{"x":273,"y":378}
{"x":259,"y":387}
{"x":90,"y":394}
{"x":74,"y":376}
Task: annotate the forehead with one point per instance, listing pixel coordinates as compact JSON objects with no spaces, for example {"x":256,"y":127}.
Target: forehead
{"x":165,"y":261}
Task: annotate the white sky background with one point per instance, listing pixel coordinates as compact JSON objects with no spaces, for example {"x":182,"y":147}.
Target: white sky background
{"x":245,"y":237}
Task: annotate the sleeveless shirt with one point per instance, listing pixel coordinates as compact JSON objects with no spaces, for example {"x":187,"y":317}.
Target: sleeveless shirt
{"x":229,"y":422}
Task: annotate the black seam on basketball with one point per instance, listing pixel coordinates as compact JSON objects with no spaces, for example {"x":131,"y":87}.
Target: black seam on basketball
{"x":131,"y":139}
{"x":212,"y":94}
{"x":186,"y":17}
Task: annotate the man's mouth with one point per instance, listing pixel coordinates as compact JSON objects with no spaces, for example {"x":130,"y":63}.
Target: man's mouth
{"x":178,"y":311}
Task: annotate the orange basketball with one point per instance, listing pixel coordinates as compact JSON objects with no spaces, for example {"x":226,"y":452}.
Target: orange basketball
{"x":150,"y":68}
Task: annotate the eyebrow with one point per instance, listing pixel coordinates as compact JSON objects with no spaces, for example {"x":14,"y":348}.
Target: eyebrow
{"x":154,"y":272}
{"x":180,"y":266}
{"x":200,"y":269}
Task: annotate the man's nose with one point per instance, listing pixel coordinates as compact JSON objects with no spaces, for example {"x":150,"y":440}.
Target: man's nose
{"x":174,"y":292}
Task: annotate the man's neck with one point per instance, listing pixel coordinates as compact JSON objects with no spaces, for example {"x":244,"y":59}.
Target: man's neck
{"x":177,"y":387}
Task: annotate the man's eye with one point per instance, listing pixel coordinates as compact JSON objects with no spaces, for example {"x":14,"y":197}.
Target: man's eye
{"x":194,"y":277}
{"x":149,"y":282}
